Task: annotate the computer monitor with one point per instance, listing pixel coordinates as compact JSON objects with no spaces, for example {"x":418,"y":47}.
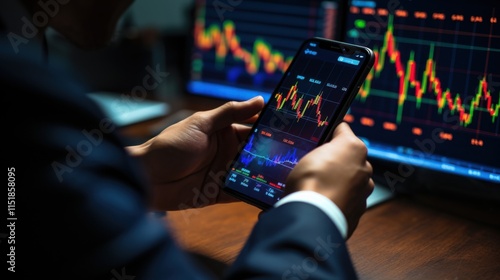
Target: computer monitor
{"x":429,"y":109}
{"x":241,"y":48}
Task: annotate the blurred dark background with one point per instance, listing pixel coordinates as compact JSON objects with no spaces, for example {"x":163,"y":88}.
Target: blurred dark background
{"x":151,"y":33}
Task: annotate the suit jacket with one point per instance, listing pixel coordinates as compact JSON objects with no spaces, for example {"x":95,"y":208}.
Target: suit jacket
{"x":81,"y":202}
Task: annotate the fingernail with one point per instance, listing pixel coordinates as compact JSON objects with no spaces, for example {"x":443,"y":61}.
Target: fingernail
{"x":256,"y":97}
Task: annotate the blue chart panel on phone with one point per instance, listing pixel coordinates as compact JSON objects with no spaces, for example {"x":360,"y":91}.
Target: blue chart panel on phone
{"x":297,"y":116}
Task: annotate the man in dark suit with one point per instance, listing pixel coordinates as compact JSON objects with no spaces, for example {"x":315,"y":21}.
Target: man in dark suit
{"x":82,"y":198}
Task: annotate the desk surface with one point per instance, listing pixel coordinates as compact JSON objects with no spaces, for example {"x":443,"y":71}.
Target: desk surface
{"x":399,"y":239}
{"x":404,"y":238}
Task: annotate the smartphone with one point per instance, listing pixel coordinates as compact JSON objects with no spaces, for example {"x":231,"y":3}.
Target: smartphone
{"x":310,"y":100}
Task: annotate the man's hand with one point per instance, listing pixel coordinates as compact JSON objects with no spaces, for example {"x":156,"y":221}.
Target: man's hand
{"x":339,"y":170}
{"x":186,"y":161}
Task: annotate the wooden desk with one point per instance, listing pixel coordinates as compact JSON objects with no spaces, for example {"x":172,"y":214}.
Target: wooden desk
{"x":405,"y":238}
{"x":399,"y":239}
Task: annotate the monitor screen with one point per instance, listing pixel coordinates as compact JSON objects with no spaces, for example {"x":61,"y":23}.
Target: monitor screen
{"x":428,"y":111}
{"x":242,"y":48}
{"x":430,"y":106}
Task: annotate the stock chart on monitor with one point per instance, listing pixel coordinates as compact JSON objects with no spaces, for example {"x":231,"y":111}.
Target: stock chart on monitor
{"x":432,"y":97}
{"x":242,"y":48}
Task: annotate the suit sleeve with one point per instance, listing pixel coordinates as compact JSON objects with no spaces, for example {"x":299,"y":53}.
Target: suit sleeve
{"x":294,"y":241}
{"x":81,"y":201}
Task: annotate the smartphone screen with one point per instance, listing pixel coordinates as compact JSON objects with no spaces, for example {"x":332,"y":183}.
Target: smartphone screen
{"x":310,"y":100}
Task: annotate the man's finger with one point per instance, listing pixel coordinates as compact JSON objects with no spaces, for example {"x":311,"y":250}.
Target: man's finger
{"x":341,"y":129}
{"x":231,"y":112}
{"x":242,"y":131}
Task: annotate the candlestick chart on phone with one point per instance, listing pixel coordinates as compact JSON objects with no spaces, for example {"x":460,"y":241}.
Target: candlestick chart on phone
{"x":297,"y":116}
